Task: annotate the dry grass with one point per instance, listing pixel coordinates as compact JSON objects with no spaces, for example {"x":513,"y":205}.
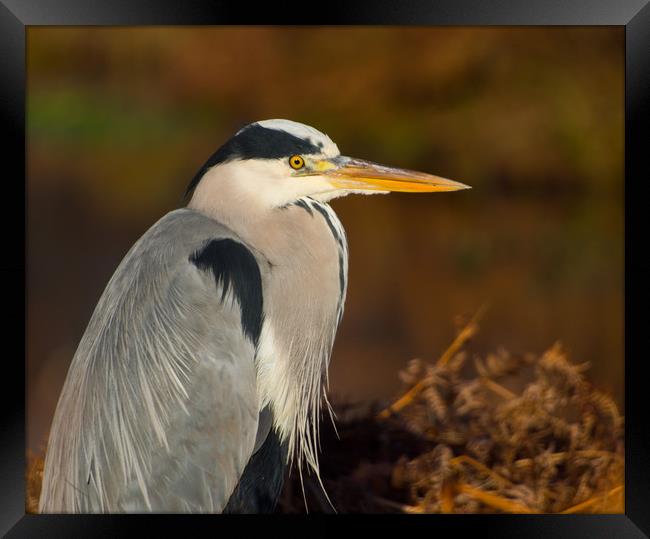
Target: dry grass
{"x":500,"y":434}
{"x":555,"y":446}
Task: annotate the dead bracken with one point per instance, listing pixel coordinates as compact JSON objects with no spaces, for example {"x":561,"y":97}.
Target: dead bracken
{"x":501,"y":434}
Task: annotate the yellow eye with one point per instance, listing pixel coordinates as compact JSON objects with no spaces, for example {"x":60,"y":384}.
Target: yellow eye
{"x":296,"y":162}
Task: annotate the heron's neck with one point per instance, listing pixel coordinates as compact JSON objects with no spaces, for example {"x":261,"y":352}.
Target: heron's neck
{"x":302,"y":253}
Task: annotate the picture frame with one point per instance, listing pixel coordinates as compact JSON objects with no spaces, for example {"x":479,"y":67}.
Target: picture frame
{"x":634,"y":15}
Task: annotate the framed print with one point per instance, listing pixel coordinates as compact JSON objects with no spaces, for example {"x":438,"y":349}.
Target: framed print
{"x":217,"y":320}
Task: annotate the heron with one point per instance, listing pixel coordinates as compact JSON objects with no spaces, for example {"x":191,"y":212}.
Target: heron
{"x":202,"y":373}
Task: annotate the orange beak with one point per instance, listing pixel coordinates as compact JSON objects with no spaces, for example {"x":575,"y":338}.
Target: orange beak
{"x":360,"y":175}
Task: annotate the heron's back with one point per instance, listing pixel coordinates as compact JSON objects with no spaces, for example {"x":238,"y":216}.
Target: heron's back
{"x":159,"y":409}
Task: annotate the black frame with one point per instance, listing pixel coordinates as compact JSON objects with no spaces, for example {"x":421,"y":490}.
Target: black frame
{"x":634,"y":15}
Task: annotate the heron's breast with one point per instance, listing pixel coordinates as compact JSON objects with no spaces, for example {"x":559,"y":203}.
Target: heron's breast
{"x":304,"y":285}
{"x":314,"y":263}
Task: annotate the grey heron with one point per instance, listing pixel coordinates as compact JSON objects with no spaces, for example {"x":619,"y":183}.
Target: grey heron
{"x":203,"y":368}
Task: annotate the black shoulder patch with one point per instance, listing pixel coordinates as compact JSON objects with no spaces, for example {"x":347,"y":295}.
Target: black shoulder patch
{"x":233,"y":265}
{"x":255,"y":142}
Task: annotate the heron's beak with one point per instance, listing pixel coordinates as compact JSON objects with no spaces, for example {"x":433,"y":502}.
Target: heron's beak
{"x":360,"y":175}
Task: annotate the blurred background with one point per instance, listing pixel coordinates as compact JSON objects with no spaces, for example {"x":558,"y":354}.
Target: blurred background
{"x":119,"y":120}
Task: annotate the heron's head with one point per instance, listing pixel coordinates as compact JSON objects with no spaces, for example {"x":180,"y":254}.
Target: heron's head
{"x":276,"y":162}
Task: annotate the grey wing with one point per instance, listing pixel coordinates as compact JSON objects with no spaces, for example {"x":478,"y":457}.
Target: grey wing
{"x":159,"y":411}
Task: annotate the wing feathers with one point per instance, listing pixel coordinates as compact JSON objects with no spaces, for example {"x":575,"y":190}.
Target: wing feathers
{"x":159,"y":410}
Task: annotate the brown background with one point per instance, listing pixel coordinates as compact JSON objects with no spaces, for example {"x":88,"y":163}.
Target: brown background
{"x":120,"y":119}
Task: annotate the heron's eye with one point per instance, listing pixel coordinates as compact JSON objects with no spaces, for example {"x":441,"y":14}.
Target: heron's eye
{"x":296,"y":162}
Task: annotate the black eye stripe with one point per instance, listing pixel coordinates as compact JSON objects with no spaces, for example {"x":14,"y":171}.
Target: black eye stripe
{"x":256,"y":142}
